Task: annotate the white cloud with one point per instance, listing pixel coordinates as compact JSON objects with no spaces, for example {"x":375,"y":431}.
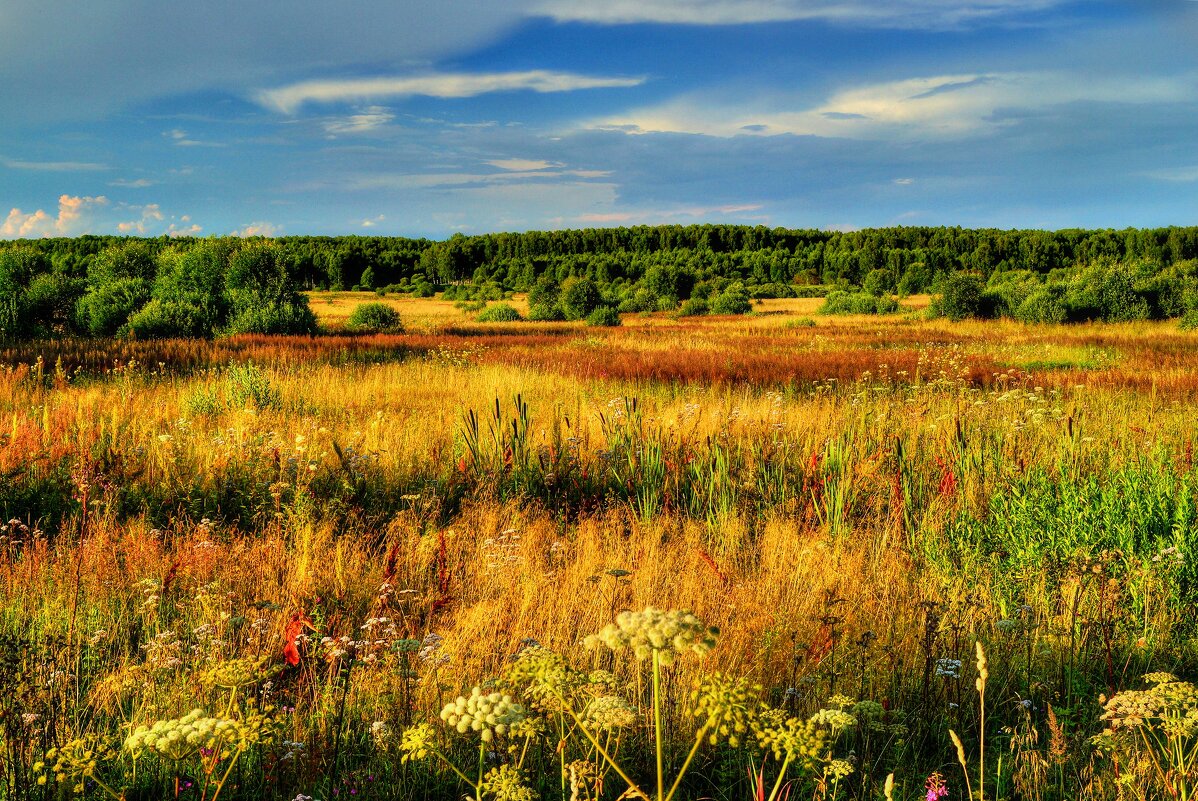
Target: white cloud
{"x":261,"y":228}
{"x":150,"y":214}
{"x":183,"y":139}
{"x":447,"y":180}
{"x":1174,"y":174}
{"x":55,"y":166}
{"x":370,"y":223}
{"x":367,"y":120}
{"x":113,"y":54}
{"x":872,"y":13}
{"x":73,"y":218}
{"x":174,"y":231}
{"x":125,"y":183}
{"x":522,"y":165}
{"x":288,"y":99}
{"x":656,"y":216}
{"x":938,"y":106}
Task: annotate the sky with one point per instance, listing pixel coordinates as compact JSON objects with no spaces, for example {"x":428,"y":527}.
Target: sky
{"x":430,"y":117}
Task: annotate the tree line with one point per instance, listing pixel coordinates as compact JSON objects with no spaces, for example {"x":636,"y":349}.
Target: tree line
{"x":105,"y":286}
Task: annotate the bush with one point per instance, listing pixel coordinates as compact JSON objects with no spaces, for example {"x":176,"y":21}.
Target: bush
{"x":693,"y":307}
{"x":374,"y":318}
{"x":176,"y":317}
{"x":545,"y":313}
{"x":499,"y":313}
{"x":105,"y":309}
{"x":961,"y":296}
{"x":842,"y":302}
{"x":733,"y":300}
{"x":273,"y":318}
{"x":579,"y":298}
{"x":1044,"y":305}
{"x":879,"y":282}
{"x":604,"y":316}
{"x":367,"y":279}
{"x":1189,"y":320}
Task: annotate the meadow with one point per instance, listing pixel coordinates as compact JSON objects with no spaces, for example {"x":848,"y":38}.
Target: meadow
{"x":770,"y":556}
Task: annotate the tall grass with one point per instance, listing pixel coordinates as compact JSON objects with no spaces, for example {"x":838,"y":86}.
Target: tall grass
{"x":365,"y":539}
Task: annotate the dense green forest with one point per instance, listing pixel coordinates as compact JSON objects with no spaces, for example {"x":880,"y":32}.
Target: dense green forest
{"x":105,"y":286}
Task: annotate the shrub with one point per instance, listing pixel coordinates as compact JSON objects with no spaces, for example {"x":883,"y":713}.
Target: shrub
{"x":374,"y":318}
{"x":105,"y":309}
{"x":1045,"y":305}
{"x":733,"y":300}
{"x":605,"y":316}
{"x":176,"y":317}
{"x":499,"y":313}
{"x":367,"y":279}
{"x":961,"y":296}
{"x":545,"y":313}
{"x":879,"y":282}
{"x":842,"y":302}
{"x":273,"y":318}
{"x":693,"y":307}
{"x":579,"y":298}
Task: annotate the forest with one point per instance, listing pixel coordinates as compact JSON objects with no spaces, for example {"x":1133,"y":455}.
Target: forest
{"x":101,"y":286}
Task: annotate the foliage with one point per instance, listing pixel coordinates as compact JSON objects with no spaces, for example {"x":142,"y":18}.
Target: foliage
{"x":604,"y":316}
{"x":960,"y":295}
{"x":499,"y":313}
{"x":374,"y":318}
{"x":733,"y":300}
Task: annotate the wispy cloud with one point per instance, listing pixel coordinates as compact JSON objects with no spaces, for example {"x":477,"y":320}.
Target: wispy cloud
{"x":871,"y":13}
{"x":366,"y":120}
{"x":182,"y":138}
{"x":522,"y":165}
{"x":936,"y":106}
{"x":1174,"y":174}
{"x":650,"y":216}
{"x":125,"y":183}
{"x":373,"y":221}
{"x":447,"y":180}
{"x":288,"y":99}
{"x":55,"y":166}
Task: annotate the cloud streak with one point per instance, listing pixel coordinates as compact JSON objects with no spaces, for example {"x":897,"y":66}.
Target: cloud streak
{"x":943,"y":106}
{"x":289,"y":99}
{"x":908,"y":14}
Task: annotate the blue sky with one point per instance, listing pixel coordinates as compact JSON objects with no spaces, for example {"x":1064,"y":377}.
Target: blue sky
{"x":426,"y":118}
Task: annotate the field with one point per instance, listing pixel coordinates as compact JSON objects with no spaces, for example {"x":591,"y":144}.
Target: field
{"x":941,"y":558}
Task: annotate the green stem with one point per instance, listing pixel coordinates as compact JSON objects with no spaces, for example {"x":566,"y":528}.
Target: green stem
{"x":702,"y":733}
{"x":657,"y":724}
{"x":454,"y":768}
{"x":221,"y":784}
{"x":608,"y":758}
{"x":781,"y":776}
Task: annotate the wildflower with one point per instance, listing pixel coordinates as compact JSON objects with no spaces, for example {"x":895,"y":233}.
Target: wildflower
{"x":656,"y":632}
{"x":234,"y":673}
{"x":76,"y":762}
{"x":505,"y":783}
{"x":417,"y":743}
{"x":936,"y":787}
{"x":609,"y":712}
{"x":948,"y":668}
{"x":488,"y":714}
{"x":727,"y":706}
